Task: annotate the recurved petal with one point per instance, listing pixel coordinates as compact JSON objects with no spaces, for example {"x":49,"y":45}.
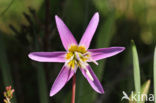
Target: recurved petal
{"x":63,"y":77}
{"x":88,"y":34}
{"x":93,"y":80}
{"x":48,"y":56}
{"x":97,"y":54}
{"x":65,"y":34}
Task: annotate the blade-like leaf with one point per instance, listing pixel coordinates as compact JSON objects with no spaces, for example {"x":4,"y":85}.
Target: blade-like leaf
{"x":41,"y":79}
{"x":42,"y":85}
{"x":4,"y":65}
{"x":136,"y":68}
{"x":144,"y":91}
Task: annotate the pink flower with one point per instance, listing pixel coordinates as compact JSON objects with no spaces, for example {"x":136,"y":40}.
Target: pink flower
{"x":76,"y":55}
{"x":8,"y":94}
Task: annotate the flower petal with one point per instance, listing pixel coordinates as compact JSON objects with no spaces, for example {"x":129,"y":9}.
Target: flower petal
{"x":63,"y":77}
{"x":65,"y":34}
{"x":88,"y":35}
{"x":102,"y":53}
{"x":48,"y":56}
{"x":94,"y":82}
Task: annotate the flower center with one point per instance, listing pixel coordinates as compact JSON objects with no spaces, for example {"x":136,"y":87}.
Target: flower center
{"x":77,"y":56}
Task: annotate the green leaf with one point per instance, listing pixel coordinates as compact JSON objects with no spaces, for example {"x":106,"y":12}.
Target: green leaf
{"x":154,"y":75}
{"x":42,"y":84}
{"x":144,"y":91}
{"x":4,"y":65}
{"x":136,"y":68}
{"x":41,"y":79}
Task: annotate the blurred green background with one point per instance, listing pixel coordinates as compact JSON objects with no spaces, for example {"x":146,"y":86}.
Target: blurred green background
{"x":29,"y":25}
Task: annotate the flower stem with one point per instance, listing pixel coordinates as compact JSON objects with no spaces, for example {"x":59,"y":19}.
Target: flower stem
{"x":73,"y":89}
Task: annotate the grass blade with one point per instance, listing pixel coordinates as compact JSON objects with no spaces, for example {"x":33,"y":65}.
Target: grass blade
{"x":41,"y":79}
{"x":43,"y":94}
{"x":4,"y":66}
{"x":144,"y":91}
{"x":136,"y":69}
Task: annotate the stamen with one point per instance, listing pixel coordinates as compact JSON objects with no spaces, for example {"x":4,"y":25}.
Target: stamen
{"x":66,"y":63}
{"x":94,"y":61}
{"x":85,"y":54}
{"x":82,"y":63}
{"x":78,"y":56}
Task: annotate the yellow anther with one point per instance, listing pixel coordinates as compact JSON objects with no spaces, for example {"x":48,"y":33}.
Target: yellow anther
{"x":69,"y":55}
{"x":72,"y":64}
{"x":73,"y":48}
{"x":82,"y":49}
{"x":84,"y":59}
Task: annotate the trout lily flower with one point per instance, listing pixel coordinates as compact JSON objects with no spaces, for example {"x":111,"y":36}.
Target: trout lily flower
{"x":76,"y":55}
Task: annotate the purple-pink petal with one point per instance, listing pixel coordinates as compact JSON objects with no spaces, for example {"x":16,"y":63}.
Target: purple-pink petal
{"x":97,"y":54}
{"x":63,"y":77}
{"x":95,"y":84}
{"x":48,"y":56}
{"x":88,"y":35}
{"x":65,"y":34}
